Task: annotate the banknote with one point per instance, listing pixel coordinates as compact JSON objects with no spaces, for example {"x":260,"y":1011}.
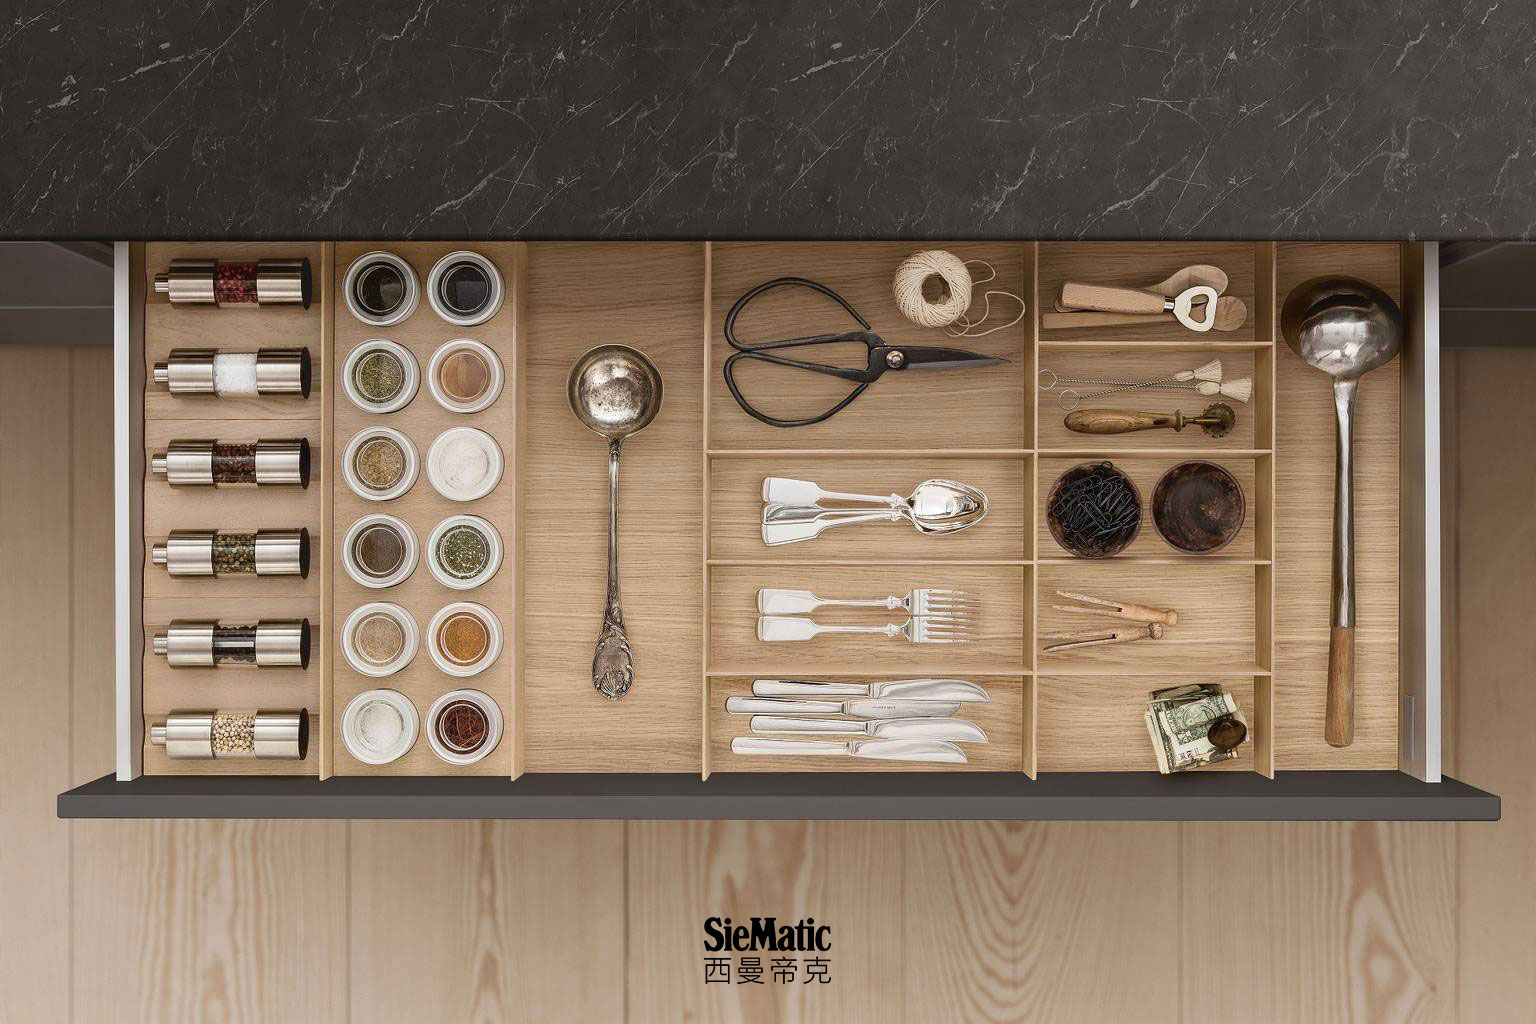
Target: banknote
{"x":1179,"y":720}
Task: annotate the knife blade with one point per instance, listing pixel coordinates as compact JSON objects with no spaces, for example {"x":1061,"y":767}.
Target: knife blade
{"x":851,"y":708}
{"x":879,"y":750}
{"x":955,"y":730}
{"x":908,"y":689}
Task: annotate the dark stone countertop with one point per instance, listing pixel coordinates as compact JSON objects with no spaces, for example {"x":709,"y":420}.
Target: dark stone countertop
{"x":547,"y":119}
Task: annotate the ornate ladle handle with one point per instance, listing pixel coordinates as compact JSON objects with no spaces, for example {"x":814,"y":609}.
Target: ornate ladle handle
{"x":613,"y":666}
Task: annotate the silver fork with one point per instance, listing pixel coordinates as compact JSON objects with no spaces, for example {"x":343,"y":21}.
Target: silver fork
{"x":919,"y":603}
{"x":938,"y":629}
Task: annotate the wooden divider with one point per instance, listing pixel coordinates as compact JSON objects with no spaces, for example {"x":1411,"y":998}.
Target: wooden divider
{"x":1252,"y":617}
{"x":422,"y":508}
{"x":233,"y":600}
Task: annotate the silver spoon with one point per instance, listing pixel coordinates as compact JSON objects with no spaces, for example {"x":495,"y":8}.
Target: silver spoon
{"x":1346,"y":328}
{"x":616,"y":391}
{"x":934,"y":507}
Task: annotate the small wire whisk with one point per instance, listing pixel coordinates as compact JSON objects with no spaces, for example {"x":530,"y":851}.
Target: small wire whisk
{"x":1205,"y":380}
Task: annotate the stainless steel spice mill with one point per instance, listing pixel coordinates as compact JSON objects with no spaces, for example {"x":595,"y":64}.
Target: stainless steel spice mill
{"x":203,"y":463}
{"x":212,"y":553}
{"x":197,"y":643}
{"x":272,"y":282}
{"x":208,"y":371}
{"x":233,"y":734}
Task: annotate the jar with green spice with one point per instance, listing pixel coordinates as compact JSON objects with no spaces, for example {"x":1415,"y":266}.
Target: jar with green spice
{"x":464,"y":551}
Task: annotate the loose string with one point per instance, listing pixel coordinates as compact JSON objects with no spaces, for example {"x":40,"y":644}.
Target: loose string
{"x":950,"y":313}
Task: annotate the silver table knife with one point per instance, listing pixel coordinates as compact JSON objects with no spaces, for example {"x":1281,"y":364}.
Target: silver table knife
{"x":879,"y":750}
{"x":955,"y":730}
{"x":851,"y":708}
{"x":909,"y":689}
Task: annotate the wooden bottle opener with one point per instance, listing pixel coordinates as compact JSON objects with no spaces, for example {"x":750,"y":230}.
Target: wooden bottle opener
{"x":1110,"y":299}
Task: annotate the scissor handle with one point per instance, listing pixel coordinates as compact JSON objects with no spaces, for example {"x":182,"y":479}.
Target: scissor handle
{"x":862,"y":378}
{"x":752,"y":293}
{"x":730,"y":382}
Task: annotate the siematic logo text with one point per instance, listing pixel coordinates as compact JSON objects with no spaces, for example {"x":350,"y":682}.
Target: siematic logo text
{"x":766,"y":933}
{"x":723,"y":937}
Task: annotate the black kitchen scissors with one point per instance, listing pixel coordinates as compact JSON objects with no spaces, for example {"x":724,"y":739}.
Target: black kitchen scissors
{"x":882,"y":356}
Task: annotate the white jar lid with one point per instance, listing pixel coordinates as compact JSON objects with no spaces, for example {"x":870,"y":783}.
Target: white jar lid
{"x":493,"y":723}
{"x":464,"y":463}
{"x":441,"y":279}
{"x":356,"y":279}
{"x":447,"y":576}
{"x":400,"y":572}
{"x":354,"y":479}
{"x":464,"y":348}
{"x":368,"y":726}
{"x":409,"y":369}
{"x":453,"y":666}
{"x":366,"y":666}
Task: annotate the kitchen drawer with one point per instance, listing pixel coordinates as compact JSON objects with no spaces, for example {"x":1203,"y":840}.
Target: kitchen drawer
{"x":1065,"y":732}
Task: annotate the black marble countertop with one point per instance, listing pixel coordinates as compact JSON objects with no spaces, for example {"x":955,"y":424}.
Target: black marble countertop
{"x":634,"y":119}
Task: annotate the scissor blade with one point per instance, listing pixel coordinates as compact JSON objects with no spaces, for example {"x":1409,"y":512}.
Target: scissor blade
{"x":937,"y":358}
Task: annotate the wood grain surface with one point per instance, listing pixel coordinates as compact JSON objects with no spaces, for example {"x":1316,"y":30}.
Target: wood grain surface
{"x":232,"y":600}
{"x":658,"y":725}
{"x":162,"y":921}
{"x":987,"y":407}
{"x":1140,"y":264}
{"x":1304,"y":461}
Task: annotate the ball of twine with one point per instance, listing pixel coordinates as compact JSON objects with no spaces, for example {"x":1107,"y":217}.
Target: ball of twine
{"x":918,"y":268}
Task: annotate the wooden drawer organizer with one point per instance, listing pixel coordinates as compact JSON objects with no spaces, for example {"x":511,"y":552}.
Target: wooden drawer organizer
{"x":1253,"y":617}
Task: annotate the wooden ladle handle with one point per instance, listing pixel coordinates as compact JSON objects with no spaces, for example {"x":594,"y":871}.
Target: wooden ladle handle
{"x":1339,"y":726}
{"x":1109,"y":299}
{"x":1114,"y":421}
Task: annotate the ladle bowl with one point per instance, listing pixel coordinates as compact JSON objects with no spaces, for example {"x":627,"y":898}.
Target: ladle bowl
{"x":1346,"y":328}
{"x":615,"y":391}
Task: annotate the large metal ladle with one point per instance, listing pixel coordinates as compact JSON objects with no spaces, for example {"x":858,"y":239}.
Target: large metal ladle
{"x":1346,"y":328}
{"x":615,"y":390}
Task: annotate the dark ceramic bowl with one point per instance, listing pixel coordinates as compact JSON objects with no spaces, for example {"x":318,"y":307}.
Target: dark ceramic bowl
{"x":1198,"y":507}
{"x":1066,"y":515}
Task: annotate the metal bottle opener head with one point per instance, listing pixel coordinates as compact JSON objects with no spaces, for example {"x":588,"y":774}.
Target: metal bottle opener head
{"x":1183,"y":307}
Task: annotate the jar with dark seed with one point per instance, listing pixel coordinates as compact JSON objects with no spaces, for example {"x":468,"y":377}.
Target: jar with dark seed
{"x":234,"y":644}
{"x":234,"y":463}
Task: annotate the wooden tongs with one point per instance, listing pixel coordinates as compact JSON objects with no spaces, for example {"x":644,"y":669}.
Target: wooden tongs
{"x":1154,"y":618}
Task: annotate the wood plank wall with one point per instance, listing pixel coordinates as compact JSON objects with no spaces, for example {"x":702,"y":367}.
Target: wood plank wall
{"x":601,"y":921}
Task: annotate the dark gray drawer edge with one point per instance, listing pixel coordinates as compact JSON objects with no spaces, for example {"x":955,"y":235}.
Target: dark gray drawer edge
{"x":1106,"y":796}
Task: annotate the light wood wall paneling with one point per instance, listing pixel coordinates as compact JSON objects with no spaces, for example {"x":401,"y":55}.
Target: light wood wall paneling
{"x":37,"y":508}
{"x":1012,"y":921}
{"x":493,"y":921}
{"x":1304,"y":465}
{"x":1341,"y":921}
{"x":847,"y":874}
{"x":1494,"y":456}
{"x":658,"y":726}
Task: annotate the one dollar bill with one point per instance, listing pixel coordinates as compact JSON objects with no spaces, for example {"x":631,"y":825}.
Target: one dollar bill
{"x":1179,"y":722}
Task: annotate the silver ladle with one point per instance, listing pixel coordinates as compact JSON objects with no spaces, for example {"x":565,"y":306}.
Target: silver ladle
{"x":615,"y":390}
{"x":1346,"y":328}
{"x":934,"y":507}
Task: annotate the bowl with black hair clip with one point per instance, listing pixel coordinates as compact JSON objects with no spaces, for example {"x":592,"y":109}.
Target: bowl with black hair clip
{"x":1094,"y":510}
